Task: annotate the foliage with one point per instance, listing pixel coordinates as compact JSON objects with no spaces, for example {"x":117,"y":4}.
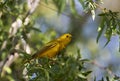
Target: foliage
{"x":12,"y":34}
{"x":18,"y":34}
{"x":110,"y":23}
{"x":63,"y":68}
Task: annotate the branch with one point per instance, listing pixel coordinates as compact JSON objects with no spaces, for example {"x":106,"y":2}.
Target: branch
{"x":32,"y":4}
{"x":104,"y":68}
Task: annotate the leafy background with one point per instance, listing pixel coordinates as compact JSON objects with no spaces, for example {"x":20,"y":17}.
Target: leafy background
{"x":93,"y":54}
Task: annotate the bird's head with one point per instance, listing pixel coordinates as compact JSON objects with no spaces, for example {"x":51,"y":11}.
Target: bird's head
{"x":65,"y":38}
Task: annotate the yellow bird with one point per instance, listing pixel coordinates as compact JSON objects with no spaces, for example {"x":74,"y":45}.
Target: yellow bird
{"x":53,"y":47}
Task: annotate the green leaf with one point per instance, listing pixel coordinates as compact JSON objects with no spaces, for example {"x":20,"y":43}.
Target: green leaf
{"x":60,"y":4}
{"x":86,"y":73}
{"x":35,"y":29}
{"x":117,"y":78}
{"x":82,"y":3}
{"x":46,"y":73}
{"x":8,"y":70}
{"x":107,"y":78}
{"x":79,"y":55}
{"x":106,"y":43}
{"x":108,"y":32}
{"x":83,"y":60}
{"x":82,"y":76}
{"x":101,"y":28}
{"x":73,"y":9}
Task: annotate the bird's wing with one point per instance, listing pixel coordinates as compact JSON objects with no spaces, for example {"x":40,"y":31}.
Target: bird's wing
{"x":48,"y":46}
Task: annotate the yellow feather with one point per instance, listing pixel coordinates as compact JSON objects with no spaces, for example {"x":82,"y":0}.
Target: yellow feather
{"x":53,"y":47}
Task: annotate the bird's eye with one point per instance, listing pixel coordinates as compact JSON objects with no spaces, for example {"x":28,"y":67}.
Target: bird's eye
{"x":67,"y":36}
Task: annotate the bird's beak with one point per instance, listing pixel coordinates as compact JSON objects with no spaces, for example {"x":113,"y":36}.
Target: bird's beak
{"x":70,"y":36}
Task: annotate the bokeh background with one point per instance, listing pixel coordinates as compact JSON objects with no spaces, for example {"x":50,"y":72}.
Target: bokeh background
{"x":49,"y":22}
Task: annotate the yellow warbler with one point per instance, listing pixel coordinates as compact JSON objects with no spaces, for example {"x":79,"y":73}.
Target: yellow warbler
{"x":53,"y":47}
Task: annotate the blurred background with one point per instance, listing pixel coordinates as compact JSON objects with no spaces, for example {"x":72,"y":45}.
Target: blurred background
{"x":51,"y":22}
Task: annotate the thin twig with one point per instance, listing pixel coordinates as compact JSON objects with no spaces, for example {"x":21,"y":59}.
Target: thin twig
{"x":104,"y":68}
{"x":103,"y":9}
